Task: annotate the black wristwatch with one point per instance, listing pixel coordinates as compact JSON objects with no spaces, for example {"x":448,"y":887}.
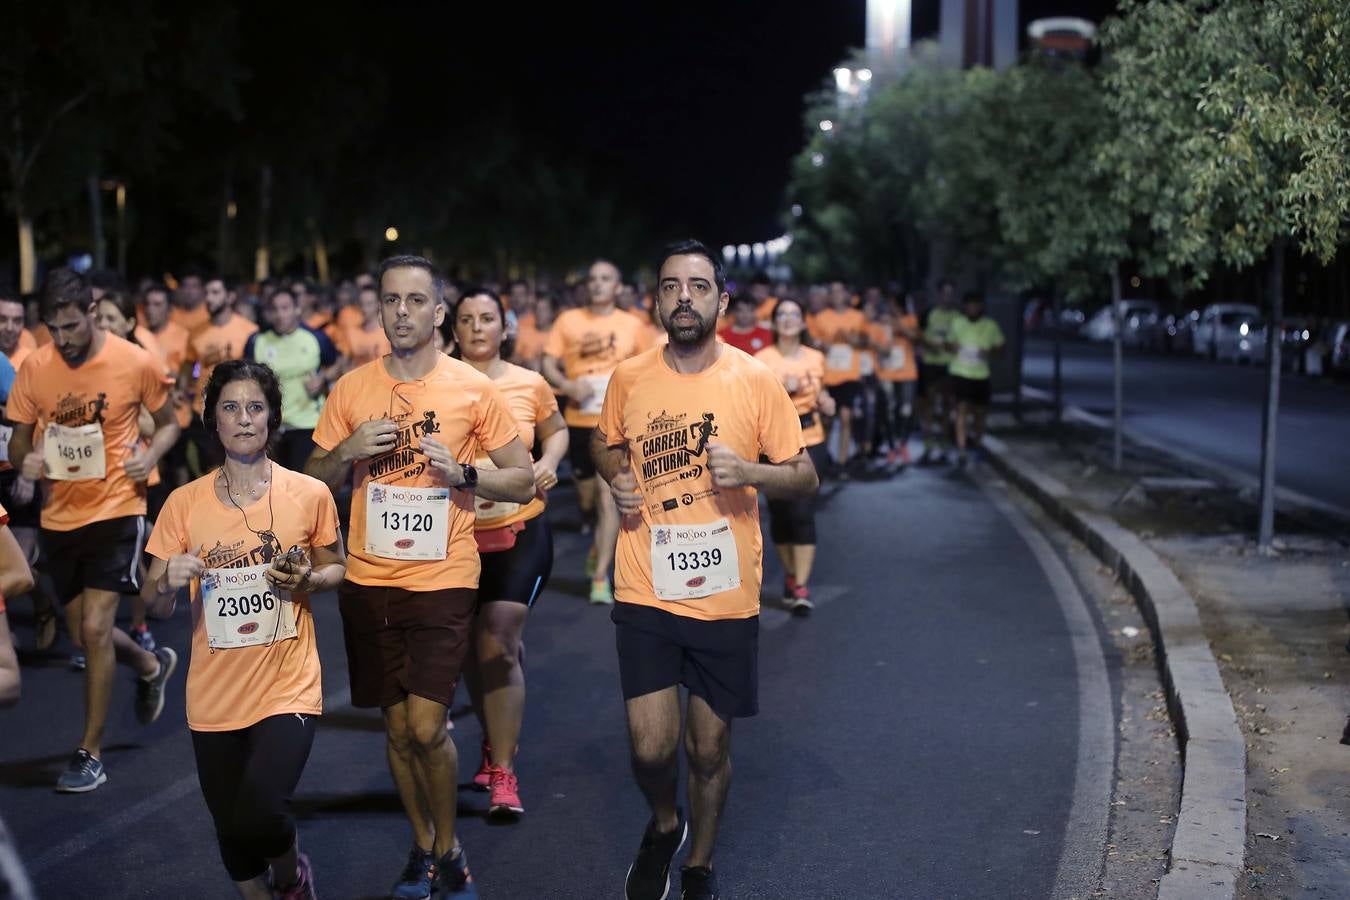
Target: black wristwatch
{"x":470,"y":481}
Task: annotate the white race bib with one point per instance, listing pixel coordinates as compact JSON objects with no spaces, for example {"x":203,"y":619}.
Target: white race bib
{"x":490,"y":510}
{"x":407,"y":522}
{"x":867,"y":364}
{"x":74,"y":454}
{"x":598,"y":385}
{"x":839,"y":358}
{"x":243,"y":609}
{"x":690,"y":561}
{"x":895,"y":359}
{"x":969,"y":355}
{"x":6,"y":432}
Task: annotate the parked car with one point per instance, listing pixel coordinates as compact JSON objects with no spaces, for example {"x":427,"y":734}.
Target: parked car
{"x":1296,"y":339}
{"x":1220,"y":323}
{"x":1138,"y":318}
{"x":1243,"y":343}
{"x":1175,"y":333}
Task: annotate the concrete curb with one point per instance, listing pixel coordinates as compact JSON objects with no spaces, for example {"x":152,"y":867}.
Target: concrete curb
{"x":1208,"y":848}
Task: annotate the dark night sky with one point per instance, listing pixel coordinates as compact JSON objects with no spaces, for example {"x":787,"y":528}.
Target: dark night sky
{"x":696,"y":107}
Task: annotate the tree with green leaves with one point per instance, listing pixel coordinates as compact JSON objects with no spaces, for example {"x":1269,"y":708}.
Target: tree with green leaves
{"x":1235,"y":115}
{"x":85,"y":86}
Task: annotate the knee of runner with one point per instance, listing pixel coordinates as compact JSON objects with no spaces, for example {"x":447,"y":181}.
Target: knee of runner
{"x":94,"y":630}
{"x":426,"y":734}
{"x":498,"y":646}
{"x":707,"y":752}
{"x":653,"y":754}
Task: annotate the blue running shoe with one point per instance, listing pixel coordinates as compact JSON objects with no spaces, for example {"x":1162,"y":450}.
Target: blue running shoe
{"x":82,"y":775}
{"x":453,"y":881}
{"x":416,"y":881}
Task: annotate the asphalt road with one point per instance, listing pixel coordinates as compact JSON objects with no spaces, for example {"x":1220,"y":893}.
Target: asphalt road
{"x":1213,"y":410}
{"x":925,"y":734}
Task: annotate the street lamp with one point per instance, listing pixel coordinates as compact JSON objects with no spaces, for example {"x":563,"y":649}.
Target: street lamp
{"x":391,"y":234}
{"x":826,"y":126}
{"x":729,"y":254}
{"x":817,"y":160}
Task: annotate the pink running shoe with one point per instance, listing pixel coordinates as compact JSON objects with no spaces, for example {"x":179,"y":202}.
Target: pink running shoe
{"x":505,"y":802}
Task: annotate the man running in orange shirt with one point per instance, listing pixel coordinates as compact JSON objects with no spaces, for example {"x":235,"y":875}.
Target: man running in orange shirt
{"x":841,"y":332}
{"x":85,"y":391}
{"x":582,"y":350}
{"x":404,"y":431}
{"x":224,"y":337}
{"x":679,"y":438}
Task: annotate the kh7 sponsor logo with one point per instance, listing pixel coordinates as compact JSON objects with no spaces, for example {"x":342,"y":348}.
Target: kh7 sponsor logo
{"x":404,"y":543}
{"x":696,"y":581}
{"x":248,"y":628}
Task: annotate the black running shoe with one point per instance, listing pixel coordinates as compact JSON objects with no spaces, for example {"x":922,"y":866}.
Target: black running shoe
{"x":150,"y":692}
{"x":697,"y":883}
{"x":649,"y":875}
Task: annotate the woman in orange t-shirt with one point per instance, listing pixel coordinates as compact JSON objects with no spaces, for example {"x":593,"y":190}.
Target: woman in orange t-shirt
{"x":893,"y":336}
{"x":254,"y":689}
{"x":514,"y":545}
{"x":15,"y":579}
{"x":792,"y":522}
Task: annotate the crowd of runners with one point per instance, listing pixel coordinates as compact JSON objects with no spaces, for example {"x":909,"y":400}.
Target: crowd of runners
{"x":395,"y":440}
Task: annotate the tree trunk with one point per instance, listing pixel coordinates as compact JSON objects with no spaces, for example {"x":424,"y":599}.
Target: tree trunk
{"x":1117,"y":365}
{"x":320,"y":255}
{"x":27,"y":251}
{"x":262,"y":261}
{"x":122,"y":229}
{"x":96,"y":222}
{"x":1266,"y":528}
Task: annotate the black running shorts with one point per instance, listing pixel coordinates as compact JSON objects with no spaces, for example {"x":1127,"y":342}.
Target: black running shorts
{"x":718,"y":661}
{"x":579,"y":452}
{"x":103,"y":556}
{"x":519,"y":575}
{"x":974,"y":391}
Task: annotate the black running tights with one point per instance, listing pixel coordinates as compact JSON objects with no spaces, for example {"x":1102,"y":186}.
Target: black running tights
{"x":248,"y":777}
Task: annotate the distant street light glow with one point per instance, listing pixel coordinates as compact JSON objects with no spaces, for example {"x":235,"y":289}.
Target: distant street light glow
{"x":817,"y":159}
{"x":796,"y":210}
{"x":864,"y":75}
{"x":391,"y":234}
{"x":729,"y":253}
{"x":826,"y":125}
{"x":843,"y":76}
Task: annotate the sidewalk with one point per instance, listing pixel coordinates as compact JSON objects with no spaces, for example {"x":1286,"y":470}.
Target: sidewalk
{"x":1276,"y":627}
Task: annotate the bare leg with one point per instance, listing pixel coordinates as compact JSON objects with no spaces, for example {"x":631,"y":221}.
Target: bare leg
{"x":500,"y":625}
{"x":606,"y":530}
{"x":402,"y":765}
{"x":654,"y":737}
{"x":980,"y":412}
{"x":74,"y":613}
{"x":707,"y":743}
{"x":962,"y":410}
{"x":439,"y":762}
{"x":804,"y":558}
{"x":103,"y":650}
{"x":788,"y":559}
{"x":845,"y":433}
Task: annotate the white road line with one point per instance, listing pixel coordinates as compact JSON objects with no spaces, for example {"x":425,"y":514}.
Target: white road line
{"x":121,"y":823}
{"x":1083,"y":855}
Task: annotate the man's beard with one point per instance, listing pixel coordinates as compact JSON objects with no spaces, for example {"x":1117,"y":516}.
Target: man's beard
{"x":689,"y":334}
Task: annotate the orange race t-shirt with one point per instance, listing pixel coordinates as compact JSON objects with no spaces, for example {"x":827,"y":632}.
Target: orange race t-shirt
{"x":834,"y":330}
{"x":211,"y":346}
{"x":108,"y":388}
{"x":350,"y":316}
{"x":362,"y":346}
{"x":807,"y":367}
{"x":26,"y":341}
{"x":895,"y":352}
{"x":667,"y":420}
{"x":191,"y":320}
{"x":589,"y":347}
{"x":21,"y":353}
{"x":463,"y":410}
{"x":530,"y":343}
{"x":229,"y":689}
{"x":41,"y":336}
{"x":173,"y":346}
{"x":531,"y":402}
